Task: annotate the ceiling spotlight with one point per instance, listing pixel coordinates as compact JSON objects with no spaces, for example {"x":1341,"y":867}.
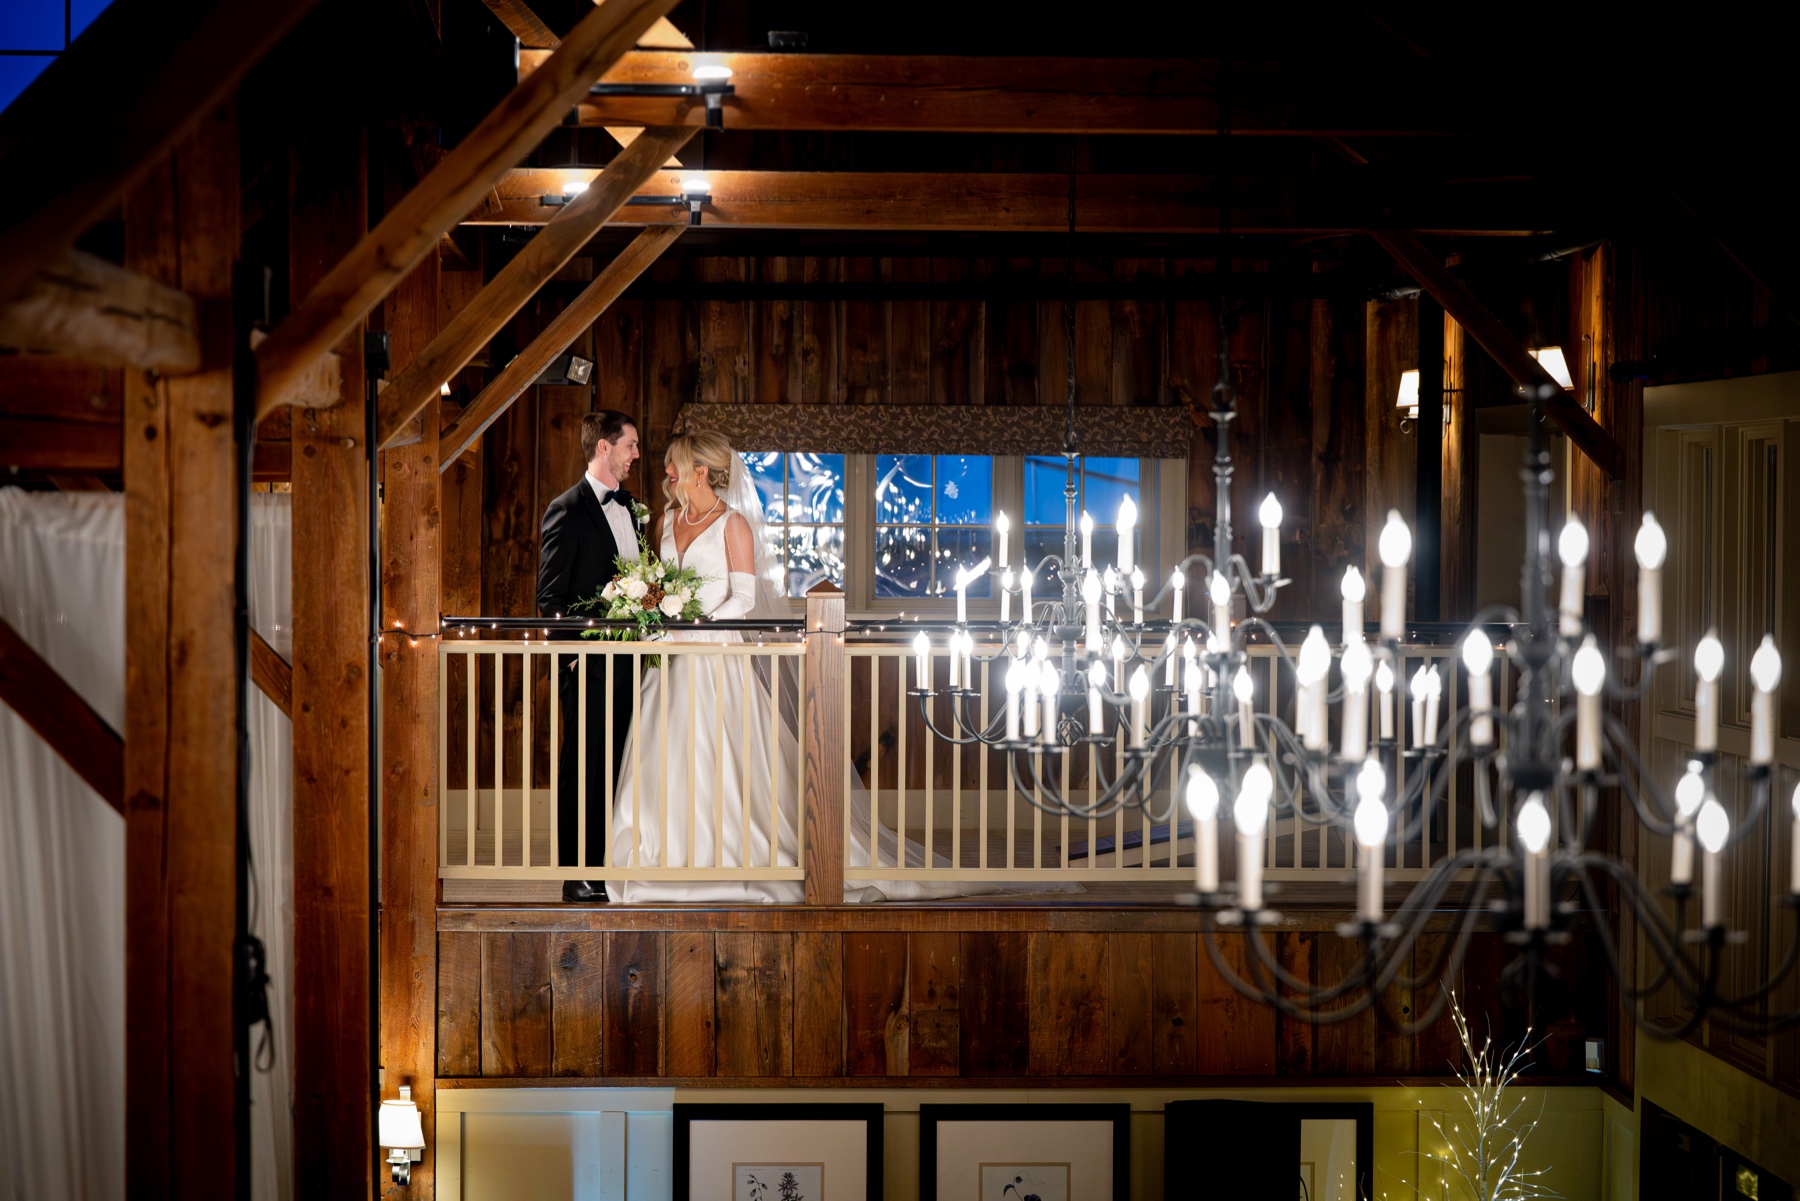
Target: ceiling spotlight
{"x":1550,"y":358}
{"x":711,"y":84}
{"x":570,"y":190}
{"x":695,"y":193}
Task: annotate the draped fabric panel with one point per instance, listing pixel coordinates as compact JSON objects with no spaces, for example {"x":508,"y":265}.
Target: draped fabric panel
{"x":1122,"y":431}
{"x":62,"y":860}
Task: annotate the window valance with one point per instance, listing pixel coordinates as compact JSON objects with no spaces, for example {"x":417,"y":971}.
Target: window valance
{"x":1150,"y":433}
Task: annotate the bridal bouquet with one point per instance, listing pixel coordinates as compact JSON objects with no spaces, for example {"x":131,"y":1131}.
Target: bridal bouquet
{"x":649,"y":592}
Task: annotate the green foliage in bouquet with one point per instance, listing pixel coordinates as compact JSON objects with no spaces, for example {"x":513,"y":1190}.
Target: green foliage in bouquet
{"x":649,"y":592}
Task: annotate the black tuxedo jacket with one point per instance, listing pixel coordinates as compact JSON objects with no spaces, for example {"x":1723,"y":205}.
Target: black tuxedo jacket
{"x":577,"y":551}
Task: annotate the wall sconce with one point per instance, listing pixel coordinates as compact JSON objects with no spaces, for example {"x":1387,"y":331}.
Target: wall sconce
{"x":402,"y":1134}
{"x":1407,"y":400}
{"x":694,"y":193}
{"x":1550,"y":358}
{"x":710,"y":84}
{"x":567,"y":369}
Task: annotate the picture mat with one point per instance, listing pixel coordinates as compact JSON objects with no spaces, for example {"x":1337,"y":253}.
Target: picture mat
{"x":716,"y":1145}
{"x":1045,"y":1181}
{"x":809,"y":1178}
{"x":962,"y":1147}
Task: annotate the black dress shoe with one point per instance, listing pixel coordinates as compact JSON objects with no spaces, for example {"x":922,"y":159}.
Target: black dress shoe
{"x":584,"y":891}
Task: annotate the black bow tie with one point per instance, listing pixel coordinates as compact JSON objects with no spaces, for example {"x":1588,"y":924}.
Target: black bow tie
{"x":618,"y":494}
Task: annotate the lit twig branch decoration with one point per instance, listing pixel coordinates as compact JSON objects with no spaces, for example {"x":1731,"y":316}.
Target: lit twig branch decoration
{"x":1489,"y":1162}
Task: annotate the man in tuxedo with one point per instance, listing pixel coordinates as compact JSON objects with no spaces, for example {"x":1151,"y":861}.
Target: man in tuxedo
{"x":586,"y":530}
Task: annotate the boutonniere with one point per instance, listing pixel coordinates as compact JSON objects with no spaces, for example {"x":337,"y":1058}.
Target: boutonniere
{"x":640,"y":512}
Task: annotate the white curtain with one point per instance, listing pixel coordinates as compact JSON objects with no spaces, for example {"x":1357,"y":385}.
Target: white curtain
{"x":62,"y":860}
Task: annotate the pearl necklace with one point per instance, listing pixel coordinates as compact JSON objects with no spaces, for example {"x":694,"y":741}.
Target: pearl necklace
{"x":717,"y":501}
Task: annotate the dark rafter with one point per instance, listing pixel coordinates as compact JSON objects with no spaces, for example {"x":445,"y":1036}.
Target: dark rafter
{"x":61,"y":718}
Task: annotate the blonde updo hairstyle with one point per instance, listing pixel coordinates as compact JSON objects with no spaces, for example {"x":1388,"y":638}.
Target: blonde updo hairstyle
{"x":690,"y":452}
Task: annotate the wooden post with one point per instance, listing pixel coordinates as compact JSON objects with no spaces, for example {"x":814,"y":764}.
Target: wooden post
{"x":822,"y":807}
{"x":181,"y":825}
{"x":411,"y":536}
{"x":1429,"y":482}
{"x":334,"y":1072}
{"x":1460,"y":480}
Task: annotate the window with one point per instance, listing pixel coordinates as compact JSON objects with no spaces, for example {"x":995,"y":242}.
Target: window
{"x":1101,"y":485}
{"x":933,"y":515}
{"x":803,"y":506}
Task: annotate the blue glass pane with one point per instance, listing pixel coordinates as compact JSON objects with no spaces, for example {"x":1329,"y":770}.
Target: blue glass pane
{"x":816,"y":488}
{"x":965,"y":489}
{"x":902,"y":489}
{"x":1045,"y":582}
{"x":82,"y":14}
{"x":902,"y":561}
{"x":1106,"y":482}
{"x":962,"y":548}
{"x":31,"y":25}
{"x":1045,"y":478}
{"x":765,"y":473}
{"x":17,"y":71}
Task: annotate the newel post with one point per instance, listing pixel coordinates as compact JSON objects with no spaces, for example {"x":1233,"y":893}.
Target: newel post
{"x":822,"y":745}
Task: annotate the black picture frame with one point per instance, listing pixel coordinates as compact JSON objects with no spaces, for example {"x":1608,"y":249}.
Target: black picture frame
{"x":687,"y":1114}
{"x":1217,"y":1134}
{"x":930,"y":1116}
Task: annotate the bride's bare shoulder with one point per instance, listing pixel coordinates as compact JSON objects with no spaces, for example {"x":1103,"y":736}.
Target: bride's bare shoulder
{"x":740,"y":544}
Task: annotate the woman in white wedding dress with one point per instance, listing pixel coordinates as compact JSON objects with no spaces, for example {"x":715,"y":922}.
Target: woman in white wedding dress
{"x":720,"y":715}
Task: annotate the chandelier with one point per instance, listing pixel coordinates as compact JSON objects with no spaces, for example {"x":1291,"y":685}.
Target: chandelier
{"x":1546,"y":766}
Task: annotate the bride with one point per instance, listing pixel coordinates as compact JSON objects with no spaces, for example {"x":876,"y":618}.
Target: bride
{"x":702,"y":780}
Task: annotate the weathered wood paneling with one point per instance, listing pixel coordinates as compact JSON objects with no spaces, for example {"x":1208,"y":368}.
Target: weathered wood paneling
{"x":689,"y":956}
{"x":578,"y":1002}
{"x":996,"y":1004}
{"x":459,"y":1004}
{"x":818,"y":1003}
{"x":1069,"y":1004}
{"x":1174,"y":1004}
{"x":518,"y":1035}
{"x":633,"y":991}
{"x":877,"y":1032}
{"x":933,"y":964}
{"x":754,"y":996}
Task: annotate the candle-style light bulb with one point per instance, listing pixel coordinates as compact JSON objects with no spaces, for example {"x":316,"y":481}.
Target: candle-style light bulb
{"x":1690,"y":792}
{"x":1025,"y":594}
{"x":1384,"y":685}
{"x":1109,"y":589}
{"x":1395,"y":548}
{"x":1478,"y":657}
{"x":1765,"y":673}
{"x":1118,"y":658}
{"x":1096,"y":708}
{"x":1090,"y":596}
{"x":1029,"y":670}
{"x":1533,"y":825}
{"x":1354,"y":590}
{"x":1002,"y":527}
{"x":1140,"y":704}
{"x":1050,"y":685}
{"x":1087,"y":539}
{"x":1178,"y":582}
{"x":1651,"y":547}
{"x":1250,"y":813}
{"x":1219,"y":592}
{"x":1713,"y":827}
{"x":1203,"y":806}
{"x":1589,"y":675}
{"x":1006,"y":587}
{"x":1127,"y":534}
{"x":1794,"y":858}
{"x":922,"y":652}
{"x":1270,"y":516}
{"x":1370,"y":822}
{"x":1244,"y":689}
{"x":1434,"y":693}
{"x":1709,"y":661}
{"x":1572,"y":548}
{"x":1310,"y":669}
{"x":1137,"y":596}
{"x":1416,"y":688}
{"x":1357,"y":666}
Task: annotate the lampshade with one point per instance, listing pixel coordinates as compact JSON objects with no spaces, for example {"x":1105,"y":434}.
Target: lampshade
{"x":1409,"y":393}
{"x":1550,"y":358}
{"x":400,"y":1128}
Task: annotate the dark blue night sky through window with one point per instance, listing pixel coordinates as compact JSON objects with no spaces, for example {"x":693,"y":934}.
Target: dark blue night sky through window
{"x":33,"y":33}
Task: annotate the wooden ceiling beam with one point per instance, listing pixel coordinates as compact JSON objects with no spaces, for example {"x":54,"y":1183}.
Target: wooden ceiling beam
{"x":977,"y":203}
{"x":273,"y":674}
{"x":136,"y":82}
{"x":35,"y":444}
{"x":971,"y":94}
{"x":411,"y":229}
{"x":517,"y":282}
{"x":38,"y":694}
{"x":83,"y":307}
{"x":576,"y":318}
{"x":536,"y":35}
{"x":1504,"y":347}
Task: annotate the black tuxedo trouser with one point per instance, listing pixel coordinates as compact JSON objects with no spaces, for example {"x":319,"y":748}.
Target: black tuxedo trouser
{"x":600,"y":713}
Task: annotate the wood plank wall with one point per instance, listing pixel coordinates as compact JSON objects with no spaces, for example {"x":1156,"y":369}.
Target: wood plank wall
{"x":970,"y":998}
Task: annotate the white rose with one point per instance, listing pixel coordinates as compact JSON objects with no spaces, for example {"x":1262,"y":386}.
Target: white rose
{"x":672,"y":605}
{"x":611,"y":590}
{"x":687,"y":596}
{"x":634,"y":589}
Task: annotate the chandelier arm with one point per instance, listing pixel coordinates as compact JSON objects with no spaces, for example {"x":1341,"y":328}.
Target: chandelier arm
{"x":1209,"y":938}
{"x":1307,"y":1011}
{"x":1104,"y":806}
{"x":1620,"y":738}
{"x":1609,"y":948}
{"x":1423,"y":901}
{"x":1262,"y":603}
{"x":1775,"y":979}
{"x":1665,"y":937}
{"x":925,"y":716}
{"x":987,"y":737}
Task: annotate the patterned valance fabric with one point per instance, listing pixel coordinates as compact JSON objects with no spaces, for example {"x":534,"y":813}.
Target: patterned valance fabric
{"x":1147,"y":433}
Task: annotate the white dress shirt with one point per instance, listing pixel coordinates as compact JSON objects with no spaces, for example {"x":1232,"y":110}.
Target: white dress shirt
{"x":618,"y":517}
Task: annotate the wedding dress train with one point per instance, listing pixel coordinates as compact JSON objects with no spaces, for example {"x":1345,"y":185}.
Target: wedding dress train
{"x":710,"y":780}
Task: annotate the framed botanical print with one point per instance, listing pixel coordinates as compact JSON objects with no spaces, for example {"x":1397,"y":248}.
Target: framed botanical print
{"x":1024,"y":1152}
{"x":777,"y":1152}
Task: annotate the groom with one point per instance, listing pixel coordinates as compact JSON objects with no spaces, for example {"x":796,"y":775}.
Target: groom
{"x":585,"y":530}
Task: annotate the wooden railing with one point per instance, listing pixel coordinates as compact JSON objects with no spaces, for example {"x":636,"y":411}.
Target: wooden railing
{"x":857,"y":788}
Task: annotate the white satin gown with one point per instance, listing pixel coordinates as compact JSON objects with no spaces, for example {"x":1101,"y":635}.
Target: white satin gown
{"x":696,"y":790}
